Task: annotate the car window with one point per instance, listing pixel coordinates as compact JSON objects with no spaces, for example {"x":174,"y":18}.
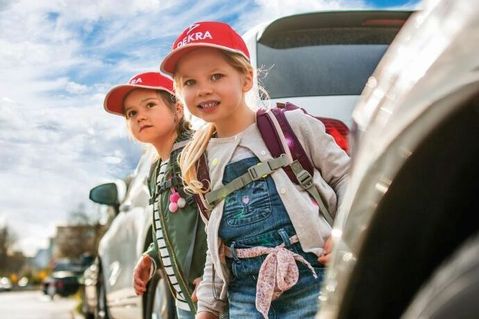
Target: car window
{"x":326,"y":61}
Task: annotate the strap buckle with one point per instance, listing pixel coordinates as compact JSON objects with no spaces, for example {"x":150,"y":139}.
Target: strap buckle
{"x":209,"y":200}
{"x":304,"y":177}
{"x":260,"y":170}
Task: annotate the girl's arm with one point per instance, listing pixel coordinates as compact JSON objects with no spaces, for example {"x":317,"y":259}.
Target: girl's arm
{"x":205,"y":315}
{"x":207,"y":290}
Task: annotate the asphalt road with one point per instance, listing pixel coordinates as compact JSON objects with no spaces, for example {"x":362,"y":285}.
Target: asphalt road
{"x":35,"y":305}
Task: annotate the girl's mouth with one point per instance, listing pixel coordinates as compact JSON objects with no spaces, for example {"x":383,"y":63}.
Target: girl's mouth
{"x":145,"y":127}
{"x":208,"y":105}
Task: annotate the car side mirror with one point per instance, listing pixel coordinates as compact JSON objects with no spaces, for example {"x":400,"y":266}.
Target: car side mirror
{"x":111,"y":194}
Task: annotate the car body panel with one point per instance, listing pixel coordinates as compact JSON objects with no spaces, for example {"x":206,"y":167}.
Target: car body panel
{"x":90,"y":279}
{"x":426,"y":75}
{"x":125,"y":241}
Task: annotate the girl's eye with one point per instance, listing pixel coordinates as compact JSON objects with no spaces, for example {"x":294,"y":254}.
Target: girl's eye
{"x":150,"y":105}
{"x":216,"y":76}
{"x":189,"y":82}
{"x":130,"y":114}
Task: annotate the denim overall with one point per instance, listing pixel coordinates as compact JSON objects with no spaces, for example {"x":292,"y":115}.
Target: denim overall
{"x":255,"y":216}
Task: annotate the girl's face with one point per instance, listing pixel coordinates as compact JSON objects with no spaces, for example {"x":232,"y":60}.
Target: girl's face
{"x":211,"y":88}
{"x":150,"y":119}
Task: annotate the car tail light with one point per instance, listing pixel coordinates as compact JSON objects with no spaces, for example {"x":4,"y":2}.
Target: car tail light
{"x":338,"y":130}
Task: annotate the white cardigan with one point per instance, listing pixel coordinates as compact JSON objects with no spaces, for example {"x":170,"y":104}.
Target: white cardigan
{"x":330,"y":177}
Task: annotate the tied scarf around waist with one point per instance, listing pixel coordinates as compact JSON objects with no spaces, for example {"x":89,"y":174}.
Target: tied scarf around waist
{"x":278,"y":272}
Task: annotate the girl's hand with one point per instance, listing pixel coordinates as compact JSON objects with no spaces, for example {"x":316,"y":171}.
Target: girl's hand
{"x":205,"y":315}
{"x":328,"y":247}
{"x":141,"y":274}
{"x":196,"y":282}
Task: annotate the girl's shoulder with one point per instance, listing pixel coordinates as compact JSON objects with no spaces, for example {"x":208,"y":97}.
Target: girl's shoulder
{"x":303,"y":123}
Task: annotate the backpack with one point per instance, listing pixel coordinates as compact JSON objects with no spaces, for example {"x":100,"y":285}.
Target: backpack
{"x":300,"y":171}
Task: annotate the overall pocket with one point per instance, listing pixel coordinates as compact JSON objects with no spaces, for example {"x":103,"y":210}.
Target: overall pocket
{"x":248,"y":205}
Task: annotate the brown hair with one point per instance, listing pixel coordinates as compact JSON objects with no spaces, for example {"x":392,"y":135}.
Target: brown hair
{"x":171,"y":100}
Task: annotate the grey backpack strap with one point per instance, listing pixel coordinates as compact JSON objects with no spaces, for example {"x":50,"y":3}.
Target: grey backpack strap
{"x":301,"y":170}
{"x":255,"y":172}
{"x":305,"y":180}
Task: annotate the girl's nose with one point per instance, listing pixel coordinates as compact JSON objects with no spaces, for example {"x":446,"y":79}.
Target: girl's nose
{"x":141,"y":116}
{"x":204,"y":89}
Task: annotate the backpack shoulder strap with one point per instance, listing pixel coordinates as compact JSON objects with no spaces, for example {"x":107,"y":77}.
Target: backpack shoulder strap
{"x":273,"y":141}
{"x":203,"y":174}
{"x":151,"y":181}
{"x":301,"y":170}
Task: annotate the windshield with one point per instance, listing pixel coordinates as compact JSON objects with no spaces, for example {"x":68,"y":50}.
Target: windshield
{"x":327,"y":61}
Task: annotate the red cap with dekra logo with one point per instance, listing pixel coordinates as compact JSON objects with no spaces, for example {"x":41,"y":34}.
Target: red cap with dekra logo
{"x":114,"y":99}
{"x":204,"y":34}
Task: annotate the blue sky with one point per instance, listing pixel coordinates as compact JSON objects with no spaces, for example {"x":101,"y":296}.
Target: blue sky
{"x":58,"y":58}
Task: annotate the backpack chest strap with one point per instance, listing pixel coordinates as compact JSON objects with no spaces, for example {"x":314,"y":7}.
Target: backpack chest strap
{"x":255,"y":172}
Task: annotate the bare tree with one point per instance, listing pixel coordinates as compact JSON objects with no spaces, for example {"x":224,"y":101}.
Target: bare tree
{"x":7,"y":239}
{"x":80,"y":236}
{"x":79,"y":216}
{"x":75,"y":240}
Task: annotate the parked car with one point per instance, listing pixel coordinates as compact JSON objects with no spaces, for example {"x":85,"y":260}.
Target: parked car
{"x":407,"y":236}
{"x":5,"y":284}
{"x":65,"y":278}
{"x":334,"y":38}
{"x":127,"y":237}
{"x":321,"y":60}
{"x":62,"y":283}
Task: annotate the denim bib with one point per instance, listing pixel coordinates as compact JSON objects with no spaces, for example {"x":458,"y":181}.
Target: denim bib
{"x":253,"y":214}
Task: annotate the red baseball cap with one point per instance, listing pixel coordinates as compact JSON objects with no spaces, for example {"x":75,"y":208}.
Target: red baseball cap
{"x":204,"y":34}
{"x":113,"y":102}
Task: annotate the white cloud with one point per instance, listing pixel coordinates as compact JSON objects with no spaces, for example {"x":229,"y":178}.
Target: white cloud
{"x":268,"y":10}
{"x":76,"y":88}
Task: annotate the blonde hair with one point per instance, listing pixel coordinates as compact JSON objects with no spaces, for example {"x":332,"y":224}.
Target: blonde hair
{"x":192,"y":152}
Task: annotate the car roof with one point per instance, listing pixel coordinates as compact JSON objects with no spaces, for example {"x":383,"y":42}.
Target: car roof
{"x":373,"y":18}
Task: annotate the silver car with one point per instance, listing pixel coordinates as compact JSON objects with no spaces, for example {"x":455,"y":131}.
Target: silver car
{"x":406,"y":238}
{"x":127,"y":237}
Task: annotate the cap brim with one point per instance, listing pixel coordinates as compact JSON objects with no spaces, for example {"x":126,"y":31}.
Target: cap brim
{"x":169,"y":63}
{"x":113,"y":102}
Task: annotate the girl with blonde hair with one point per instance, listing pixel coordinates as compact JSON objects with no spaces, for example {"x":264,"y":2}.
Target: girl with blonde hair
{"x":266,"y":239}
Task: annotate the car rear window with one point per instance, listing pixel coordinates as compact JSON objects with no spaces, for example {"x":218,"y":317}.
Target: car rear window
{"x":325,"y":61}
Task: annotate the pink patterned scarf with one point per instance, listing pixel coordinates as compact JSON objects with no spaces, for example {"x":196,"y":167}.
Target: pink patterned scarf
{"x":278,"y":273}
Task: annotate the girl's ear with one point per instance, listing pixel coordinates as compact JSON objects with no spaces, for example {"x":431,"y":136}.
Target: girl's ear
{"x":248,"y":81}
{"x":179,"y":111}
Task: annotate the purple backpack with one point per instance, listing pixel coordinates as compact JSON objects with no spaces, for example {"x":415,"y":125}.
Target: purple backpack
{"x":301,"y":170}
